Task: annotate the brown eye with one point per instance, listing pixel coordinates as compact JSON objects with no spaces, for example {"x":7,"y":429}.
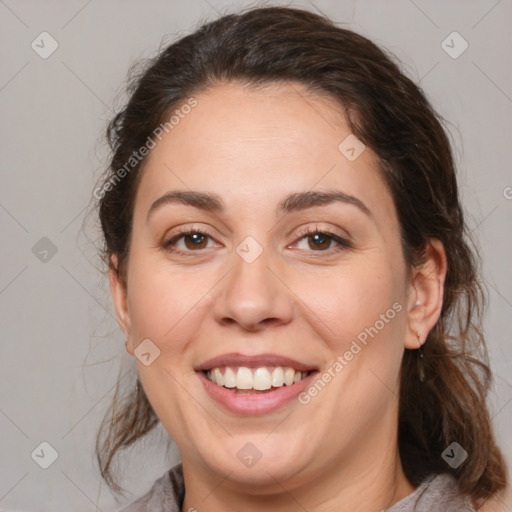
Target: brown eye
{"x":197,"y":241}
{"x":320,"y":241}
{"x":193,"y":241}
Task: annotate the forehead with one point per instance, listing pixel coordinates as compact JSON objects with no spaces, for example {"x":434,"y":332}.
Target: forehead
{"x":259,"y":144}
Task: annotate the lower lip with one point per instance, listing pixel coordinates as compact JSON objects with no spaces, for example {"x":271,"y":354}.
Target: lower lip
{"x":258,"y":403}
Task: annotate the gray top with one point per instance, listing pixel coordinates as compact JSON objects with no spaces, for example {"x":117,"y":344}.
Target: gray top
{"x":437,"y":492}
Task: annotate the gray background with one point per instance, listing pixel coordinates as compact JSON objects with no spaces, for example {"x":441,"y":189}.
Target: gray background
{"x":61,"y":349}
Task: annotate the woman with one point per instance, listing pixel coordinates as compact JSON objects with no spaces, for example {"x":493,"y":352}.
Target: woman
{"x":289,"y":263}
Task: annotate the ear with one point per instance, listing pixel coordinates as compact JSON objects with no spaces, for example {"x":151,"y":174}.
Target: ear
{"x":425,"y":299}
{"x":119,"y":297}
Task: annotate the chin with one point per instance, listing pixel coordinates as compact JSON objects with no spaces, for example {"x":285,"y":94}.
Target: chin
{"x":248,"y":462}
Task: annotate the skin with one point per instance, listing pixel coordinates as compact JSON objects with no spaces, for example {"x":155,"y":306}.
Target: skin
{"x":253,"y":147}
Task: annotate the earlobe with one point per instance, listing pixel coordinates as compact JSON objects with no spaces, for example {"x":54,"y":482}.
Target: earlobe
{"x":426,"y":295}
{"x":119,"y":298}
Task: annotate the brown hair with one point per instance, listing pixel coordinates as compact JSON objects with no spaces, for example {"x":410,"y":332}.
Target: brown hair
{"x":388,"y":113}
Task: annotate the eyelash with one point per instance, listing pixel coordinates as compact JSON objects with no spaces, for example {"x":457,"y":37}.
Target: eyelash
{"x":167,"y":245}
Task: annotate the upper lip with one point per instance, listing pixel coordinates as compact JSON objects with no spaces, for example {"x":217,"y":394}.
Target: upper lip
{"x":254,"y":361}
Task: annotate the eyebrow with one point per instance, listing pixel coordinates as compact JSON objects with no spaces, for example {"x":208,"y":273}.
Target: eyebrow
{"x":294,"y":202}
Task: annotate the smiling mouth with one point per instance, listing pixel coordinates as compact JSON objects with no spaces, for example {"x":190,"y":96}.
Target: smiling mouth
{"x":244,"y":380}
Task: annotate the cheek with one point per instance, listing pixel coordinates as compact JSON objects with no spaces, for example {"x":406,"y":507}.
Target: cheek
{"x":161,"y":301}
{"x":353,"y":300}
{"x":163,"y":308}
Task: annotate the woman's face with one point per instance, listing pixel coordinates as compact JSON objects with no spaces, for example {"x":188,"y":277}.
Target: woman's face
{"x":257,"y":297}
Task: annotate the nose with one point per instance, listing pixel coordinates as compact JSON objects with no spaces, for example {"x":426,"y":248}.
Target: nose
{"x":254,"y":296}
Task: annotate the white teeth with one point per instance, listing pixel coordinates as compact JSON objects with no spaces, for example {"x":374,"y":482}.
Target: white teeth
{"x":218,"y":377}
{"x":229,"y":379}
{"x":244,"y":378}
{"x":259,"y":379}
{"x":278,"y":377}
{"x":289,"y":374}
